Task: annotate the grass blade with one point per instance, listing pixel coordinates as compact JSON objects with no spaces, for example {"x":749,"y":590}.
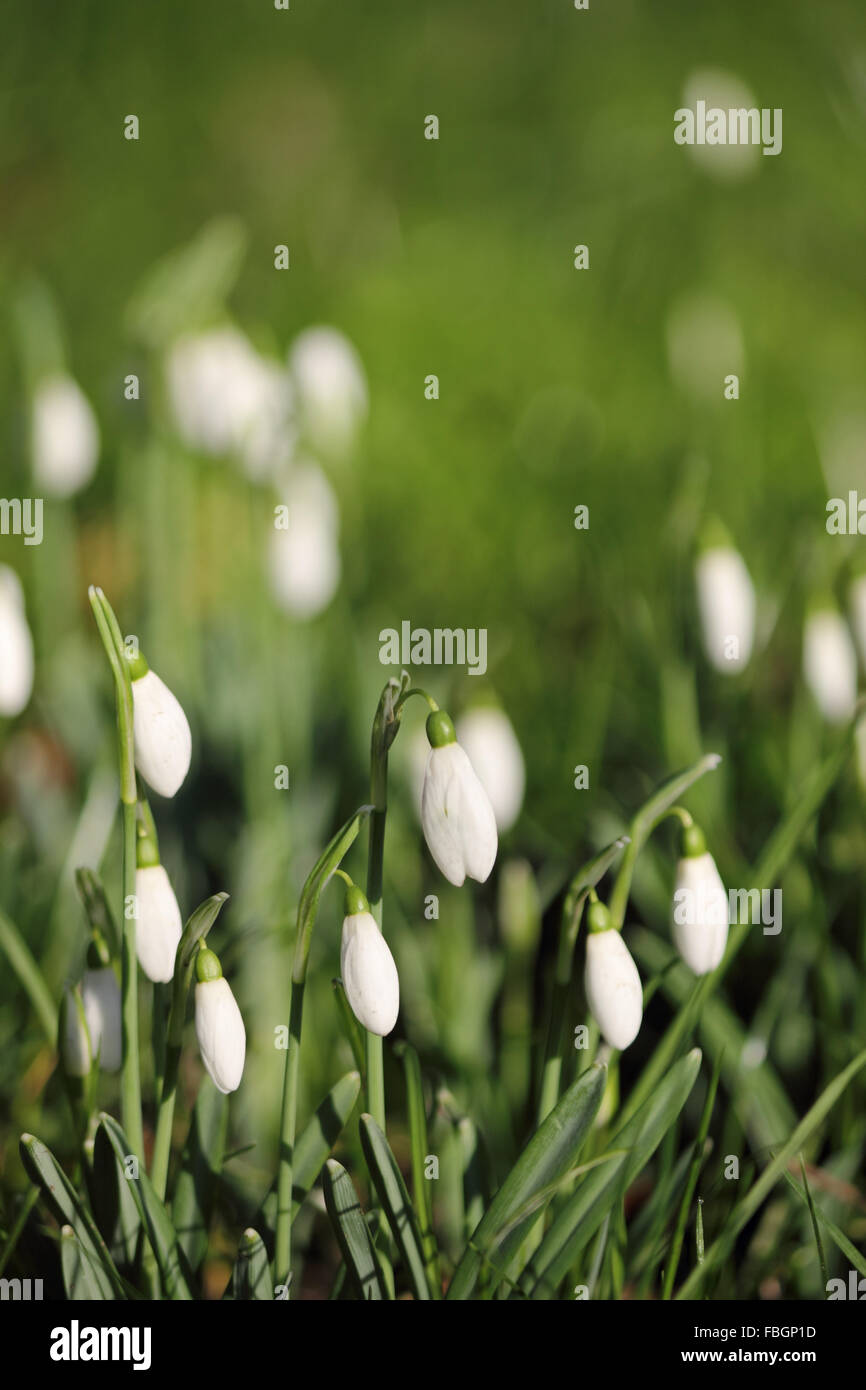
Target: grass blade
{"x":80,"y":1279}
{"x":317,"y":1139}
{"x":251,"y":1276}
{"x":421,"y":1188}
{"x":353,"y":1236}
{"x":691,"y":1183}
{"x":198,"y":1178}
{"x":389,"y":1184}
{"x":43,"y":1169}
{"x":21,"y":959}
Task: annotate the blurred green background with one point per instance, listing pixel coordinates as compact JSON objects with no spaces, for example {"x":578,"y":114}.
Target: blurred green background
{"x":557,"y":387}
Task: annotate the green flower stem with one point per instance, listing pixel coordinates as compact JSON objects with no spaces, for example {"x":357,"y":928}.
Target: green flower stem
{"x":324,"y":868}
{"x":130,"y":1077}
{"x":196,"y":929}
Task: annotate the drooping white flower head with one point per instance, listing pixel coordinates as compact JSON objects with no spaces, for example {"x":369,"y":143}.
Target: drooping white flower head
{"x":16,"y":647}
{"x":229,"y":400}
{"x":456,"y":815}
{"x":726,"y":603}
{"x":699,"y":916}
{"x":304,"y":557}
{"x":76,"y":1052}
{"x":491,"y":746}
{"x":219,"y":1026}
{"x":330,"y":385}
{"x":65,"y":437}
{"x":367,"y":968}
{"x":100,"y":992}
{"x":161,"y":733}
{"x":159,"y":927}
{"x":830,"y":664}
{"x":857,"y":609}
{"x":611,"y":980}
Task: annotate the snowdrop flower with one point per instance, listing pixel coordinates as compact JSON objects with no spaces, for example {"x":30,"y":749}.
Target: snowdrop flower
{"x":611,"y":980}
{"x":75,"y":1049}
{"x":227,"y":399}
{"x":330,"y":384}
{"x":700,"y":906}
{"x":158,"y":925}
{"x":367,"y":967}
{"x":219,"y":1026}
{"x":857,"y":607}
{"x":456,"y":815}
{"x":830,"y":664}
{"x":726,"y":603}
{"x":65,"y":437}
{"x":492,"y":748}
{"x":304,"y":558}
{"x":161,"y":734}
{"x":16,"y":647}
{"x":100,"y":993}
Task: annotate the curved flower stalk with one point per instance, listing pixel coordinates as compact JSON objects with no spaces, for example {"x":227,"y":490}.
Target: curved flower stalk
{"x":16,"y":647}
{"x":456,"y":815}
{"x":830,"y":663}
{"x":699,"y":914}
{"x":330,"y":385}
{"x":613,"y":988}
{"x":219,"y":1026}
{"x":367,"y":967}
{"x":726,"y":603}
{"x":65,"y":437}
{"x":227,"y":399}
{"x":100,"y":993}
{"x":304,"y":563}
{"x":163,"y":742}
{"x":159,"y":924}
{"x":488,"y":738}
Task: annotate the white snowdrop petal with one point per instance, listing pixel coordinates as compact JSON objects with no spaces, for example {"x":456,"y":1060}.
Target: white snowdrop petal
{"x":16,"y":647}
{"x":161,"y":734}
{"x":613,"y":988}
{"x":65,"y":437}
{"x":457,"y":817}
{"x":491,"y":746}
{"x":221,"y":1035}
{"x":75,"y":1042}
{"x":699,"y":919}
{"x":830,"y":665}
{"x":100,"y":992}
{"x":330,"y":385}
{"x":726,"y":603}
{"x":304,"y":558}
{"x":369,"y":974}
{"x":159,"y":926}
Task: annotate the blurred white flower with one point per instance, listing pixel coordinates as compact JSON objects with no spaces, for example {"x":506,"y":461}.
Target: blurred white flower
{"x":717,"y":88}
{"x":16,"y":646}
{"x":613,"y":988}
{"x":857,"y":608}
{"x":492,"y":748}
{"x":331,"y":386}
{"x":830,"y":664}
{"x":726,"y":603}
{"x":456,"y":815}
{"x":369,"y":974}
{"x":161,"y":734}
{"x":159,"y":926}
{"x":227,"y":399}
{"x":704,"y":345}
{"x":74,"y":1037}
{"x":304,"y":558}
{"x":219,"y":1028}
{"x":100,"y":993}
{"x":699,"y":915}
{"x":65,"y":437}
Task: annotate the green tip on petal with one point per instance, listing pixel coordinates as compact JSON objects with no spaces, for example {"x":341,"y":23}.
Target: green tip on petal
{"x":138,"y":667}
{"x":440,"y":729}
{"x":598,"y":918}
{"x":355,"y":901}
{"x":692,"y":842}
{"x":207,"y":966}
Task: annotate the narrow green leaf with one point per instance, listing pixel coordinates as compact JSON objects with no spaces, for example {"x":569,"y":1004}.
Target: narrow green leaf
{"x":389,"y":1184}
{"x":80,"y":1279}
{"x":251,"y":1276}
{"x":819,"y":1244}
{"x":748,"y":1205}
{"x":691,"y":1182}
{"x":114,"y":1206}
{"x":42,"y":1168}
{"x":316,"y":1141}
{"x":840,"y":1240}
{"x":580,"y":1217}
{"x":161,"y":1234}
{"x":197,"y":1181}
{"x":353,"y":1236}
{"x":421,"y":1187}
{"x":30,"y":977}
{"x":549,"y":1154}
